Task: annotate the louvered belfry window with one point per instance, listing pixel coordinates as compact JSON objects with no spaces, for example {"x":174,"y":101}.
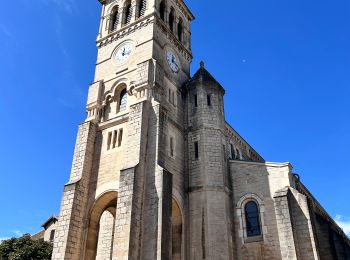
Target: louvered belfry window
{"x":142,"y":8}
{"x":171,"y":20}
{"x":179,"y":30}
{"x":128,"y":13}
{"x":114,"y":18}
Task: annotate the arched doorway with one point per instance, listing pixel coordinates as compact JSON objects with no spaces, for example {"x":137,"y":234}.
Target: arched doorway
{"x":176,"y":231}
{"x":99,"y":240}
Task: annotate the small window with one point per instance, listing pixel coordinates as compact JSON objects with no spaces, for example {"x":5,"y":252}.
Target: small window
{"x":109,"y":140}
{"x":173,"y":98}
{"x":238,"y":154}
{"x":209,"y":100}
{"x":115,"y":138}
{"x":252,"y":219}
{"x":233,"y":155}
{"x":171,"y":146}
{"x":120,"y":137}
{"x":122,"y":100}
{"x":195,"y":101}
{"x":171,"y":19}
{"x":162,"y":10}
{"x":52,"y":235}
{"x":196,"y":150}
{"x":224,"y":151}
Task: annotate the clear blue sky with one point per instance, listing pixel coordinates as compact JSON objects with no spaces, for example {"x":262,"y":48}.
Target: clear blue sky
{"x":285,"y":66}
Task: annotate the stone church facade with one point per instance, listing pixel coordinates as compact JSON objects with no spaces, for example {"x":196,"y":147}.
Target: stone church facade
{"x":157,"y":171}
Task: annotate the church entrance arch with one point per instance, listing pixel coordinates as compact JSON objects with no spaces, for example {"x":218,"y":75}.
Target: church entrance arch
{"x":99,"y":240}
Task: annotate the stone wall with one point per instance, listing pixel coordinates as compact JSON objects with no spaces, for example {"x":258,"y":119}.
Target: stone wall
{"x":260,"y":182}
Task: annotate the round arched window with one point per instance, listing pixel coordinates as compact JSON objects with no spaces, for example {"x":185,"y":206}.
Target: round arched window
{"x":122,"y":100}
{"x":252,"y":219}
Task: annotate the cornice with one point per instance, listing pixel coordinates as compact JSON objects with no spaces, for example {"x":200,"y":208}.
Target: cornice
{"x":125,"y":31}
{"x":114,"y":121}
{"x":141,"y":23}
{"x":184,"y":9}
{"x":231,"y":131}
{"x":268,"y":164}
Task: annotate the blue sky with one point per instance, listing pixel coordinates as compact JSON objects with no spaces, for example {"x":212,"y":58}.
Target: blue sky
{"x":285,"y":66}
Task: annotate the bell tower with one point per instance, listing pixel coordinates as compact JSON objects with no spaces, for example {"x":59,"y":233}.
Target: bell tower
{"x":125,"y":198}
{"x":158,"y":173}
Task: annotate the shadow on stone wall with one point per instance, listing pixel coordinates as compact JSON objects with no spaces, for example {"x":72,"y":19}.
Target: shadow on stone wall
{"x":331,"y":244}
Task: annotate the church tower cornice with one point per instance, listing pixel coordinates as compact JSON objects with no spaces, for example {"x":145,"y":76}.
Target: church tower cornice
{"x":138,"y":25}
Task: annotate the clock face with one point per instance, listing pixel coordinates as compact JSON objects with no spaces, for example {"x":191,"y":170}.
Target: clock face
{"x":123,"y":52}
{"x":172,"y":61}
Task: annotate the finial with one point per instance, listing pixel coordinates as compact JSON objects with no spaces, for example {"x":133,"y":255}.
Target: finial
{"x":202,"y":64}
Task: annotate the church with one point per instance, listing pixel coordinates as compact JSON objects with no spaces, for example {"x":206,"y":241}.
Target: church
{"x":158,"y":173}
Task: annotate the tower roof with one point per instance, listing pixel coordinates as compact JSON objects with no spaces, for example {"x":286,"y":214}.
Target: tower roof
{"x":203,"y":76}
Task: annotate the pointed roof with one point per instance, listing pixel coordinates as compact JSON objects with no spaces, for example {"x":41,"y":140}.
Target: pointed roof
{"x":203,"y":76}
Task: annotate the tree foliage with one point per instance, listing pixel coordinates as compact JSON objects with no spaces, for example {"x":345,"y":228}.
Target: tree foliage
{"x":24,"y":248}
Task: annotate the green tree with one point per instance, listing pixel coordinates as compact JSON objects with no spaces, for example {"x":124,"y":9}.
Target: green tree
{"x":24,"y":248}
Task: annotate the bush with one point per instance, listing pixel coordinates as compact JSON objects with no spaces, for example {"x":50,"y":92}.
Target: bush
{"x":24,"y":248}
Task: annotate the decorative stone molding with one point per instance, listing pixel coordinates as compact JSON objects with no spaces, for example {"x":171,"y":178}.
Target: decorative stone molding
{"x":125,"y":31}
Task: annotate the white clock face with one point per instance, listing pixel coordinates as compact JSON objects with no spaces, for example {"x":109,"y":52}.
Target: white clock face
{"x":123,"y":52}
{"x":172,"y":61}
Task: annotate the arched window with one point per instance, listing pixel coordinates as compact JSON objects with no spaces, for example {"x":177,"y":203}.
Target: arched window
{"x":162,"y":10}
{"x":114,"y":20}
{"x":180,"y":30}
{"x":252,"y":219}
{"x":127,"y":13}
{"x":233,"y":154}
{"x":238,"y":154}
{"x":122,"y":100}
{"x":141,"y":8}
{"x":171,"y":19}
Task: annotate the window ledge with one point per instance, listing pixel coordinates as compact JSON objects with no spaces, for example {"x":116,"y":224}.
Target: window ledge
{"x":253,"y":239}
